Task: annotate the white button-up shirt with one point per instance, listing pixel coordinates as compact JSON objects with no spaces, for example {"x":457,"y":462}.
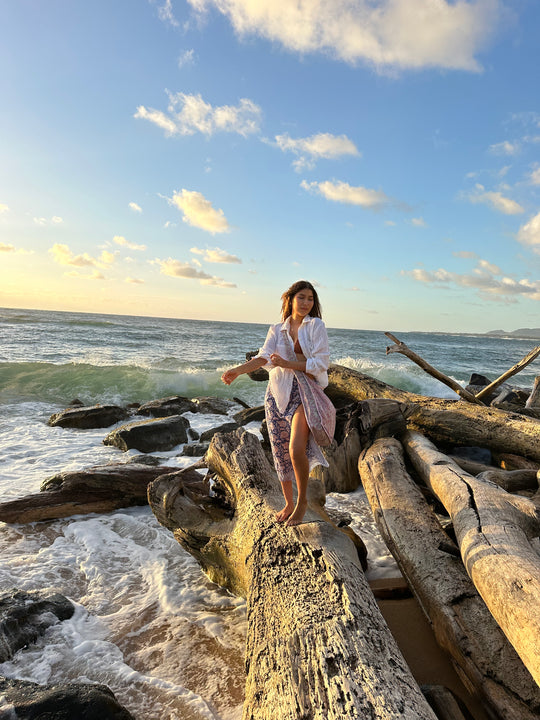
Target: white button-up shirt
{"x":313,"y":340}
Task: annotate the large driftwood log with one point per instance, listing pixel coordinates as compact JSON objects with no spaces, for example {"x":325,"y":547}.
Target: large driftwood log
{"x":493,"y":529}
{"x":99,"y":489}
{"x":430,"y":561}
{"x":317,"y":645}
{"x":444,"y":421}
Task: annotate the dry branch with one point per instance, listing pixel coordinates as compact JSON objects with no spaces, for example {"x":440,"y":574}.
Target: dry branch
{"x":532,"y":355}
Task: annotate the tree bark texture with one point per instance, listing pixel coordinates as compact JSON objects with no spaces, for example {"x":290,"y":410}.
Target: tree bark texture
{"x":317,"y":645}
{"x":493,"y":529}
{"x":429,"y":559}
{"x":444,"y":421}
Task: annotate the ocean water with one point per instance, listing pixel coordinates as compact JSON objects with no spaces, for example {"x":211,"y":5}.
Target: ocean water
{"x":148,"y":623}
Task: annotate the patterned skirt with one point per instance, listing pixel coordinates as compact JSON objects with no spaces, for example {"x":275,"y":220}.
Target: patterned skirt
{"x":279,"y":431}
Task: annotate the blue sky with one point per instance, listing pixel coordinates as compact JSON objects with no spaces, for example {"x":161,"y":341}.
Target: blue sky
{"x":193,"y":158}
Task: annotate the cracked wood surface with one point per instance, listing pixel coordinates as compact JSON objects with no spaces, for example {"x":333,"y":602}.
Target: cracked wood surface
{"x":430,"y":561}
{"x":493,"y":529}
{"x":317,"y":646}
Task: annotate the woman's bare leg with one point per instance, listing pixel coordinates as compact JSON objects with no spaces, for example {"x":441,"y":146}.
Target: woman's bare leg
{"x":298,"y":453}
{"x":287,"y":490}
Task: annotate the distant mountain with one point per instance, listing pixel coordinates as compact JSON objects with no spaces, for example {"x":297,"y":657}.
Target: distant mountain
{"x":532,"y":333}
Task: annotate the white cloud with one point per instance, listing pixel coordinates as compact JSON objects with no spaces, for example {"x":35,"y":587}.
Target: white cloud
{"x":418,"y":222}
{"x":176,"y":268}
{"x":64,"y":256}
{"x":386,"y":33}
{"x":55,"y":220}
{"x":215,"y":255}
{"x":134,"y":281}
{"x":496,"y":200}
{"x":189,"y":114}
{"x":198,"y":211}
{"x":465,"y":254}
{"x":136,"y":208}
{"x":505,"y":148}
{"x":7,"y":248}
{"x":186,"y":58}
{"x":315,"y":147}
{"x":535,"y":176}
{"x":344,"y":193}
{"x":529,"y":233}
{"x":120,"y":240}
{"x":165,"y":12}
{"x":486,"y":278}
{"x":3,"y":208}
{"x":94,"y":275}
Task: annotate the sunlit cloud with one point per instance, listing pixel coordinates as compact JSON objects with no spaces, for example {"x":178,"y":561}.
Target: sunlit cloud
{"x":198,"y":211}
{"x":316,"y":147}
{"x":188,"y":114}
{"x":134,"y":281}
{"x":94,"y":275}
{"x":7,"y":248}
{"x":506,"y":147}
{"x":120,"y":240}
{"x":215,"y":255}
{"x":186,"y":58}
{"x":486,"y":278}
{"x":534,"y":177}
{"x":3,"y":208}
{"x":178,"y":269}
{"x":165,"y":12}
{"x":4,"y":247}
{"x":55,"y":220}
{"x":418,"y":222}
{"x":64,"y":256}
{"x":496,"y":200}
{"x":388,"y":33}
{"x":344,"y":193}
{"x":136,"y":208}
{"x":529,"y":233}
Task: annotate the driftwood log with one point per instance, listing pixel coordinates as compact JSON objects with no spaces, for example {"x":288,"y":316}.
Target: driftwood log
{"x":444,"y":421}
{"x":95,"y":490}
{"x":493,"y":529}
{"x":429,"y":559}
{"x":533,"y":400}
{"x":317,"y":645}
{"x":532,"y":355}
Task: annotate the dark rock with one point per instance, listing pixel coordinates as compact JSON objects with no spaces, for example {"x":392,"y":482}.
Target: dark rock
{"x":207,"y":435}
{"x":259,"y":375}
{"x":76,"y":403}
{"x":213,"y":405}
{"x":165,"y":407}
{"x":95,"y":416}
{"x":148,"y":460}
{"x":192,"y":434}
{"x":150,"y":435}
{"x":24,"y":616}
{"x":74,"y":701}
{"x":477,"y":454}
{"x":195,"y":450}
{"x":255,"y":414}
{"x":510,"y":397}
{"x":480,"y":380}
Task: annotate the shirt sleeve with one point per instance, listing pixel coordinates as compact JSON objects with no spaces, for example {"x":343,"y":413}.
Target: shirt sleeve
{"x":269,"y":346}
{"x":320,"y":352}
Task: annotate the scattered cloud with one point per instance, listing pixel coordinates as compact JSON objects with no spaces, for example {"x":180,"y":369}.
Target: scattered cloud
{"x":7,"y":248}
{"x":506,"y":147}
{"x":316,"y":147}
{"x":94,"y":275}
{"x":134,"y":281}
{"x":136,"y":208}
{"x":534,"y":177}
{"x":529,"y":233}
{"x":466,"y":254}
{"x":389,"y":33}
{"x":198,"y":211}
{"x":165,"y":12}
{"x":3,"y":208}
{"x":186,"y":58}
{"x":188,"y":114}
{"x":64,"y":256}
{"x":55,"y":220}
{"x":496,"y":200}
{"x":178,"y":269}
{"x":418,"y":222}
{"x":215,"y":255}
{"x":486,"y":278}
{"x":120,"y":240}
{"x":344,"y":193}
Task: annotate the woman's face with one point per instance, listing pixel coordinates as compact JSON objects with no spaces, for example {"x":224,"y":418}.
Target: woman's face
{"x":302,"y":303}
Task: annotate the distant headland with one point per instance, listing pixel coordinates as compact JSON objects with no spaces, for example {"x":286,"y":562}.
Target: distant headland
{"x":520,"y":333}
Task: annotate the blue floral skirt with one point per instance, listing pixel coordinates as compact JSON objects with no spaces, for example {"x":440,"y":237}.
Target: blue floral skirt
{"x":279,"y":432}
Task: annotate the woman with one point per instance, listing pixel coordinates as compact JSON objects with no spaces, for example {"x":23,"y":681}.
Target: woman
{"x":299,"y":416}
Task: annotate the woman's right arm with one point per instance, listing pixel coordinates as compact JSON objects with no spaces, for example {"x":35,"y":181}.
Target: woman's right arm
{"x":249,"y":366}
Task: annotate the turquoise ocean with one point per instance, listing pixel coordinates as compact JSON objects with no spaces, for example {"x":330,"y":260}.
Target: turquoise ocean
{"x":148,"y":623}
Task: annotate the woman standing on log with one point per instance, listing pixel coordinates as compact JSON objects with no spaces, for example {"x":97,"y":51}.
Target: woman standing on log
{"x":299,"y":416}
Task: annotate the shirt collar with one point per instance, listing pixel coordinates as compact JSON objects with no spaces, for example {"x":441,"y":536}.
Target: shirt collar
{"x":307,"y":319}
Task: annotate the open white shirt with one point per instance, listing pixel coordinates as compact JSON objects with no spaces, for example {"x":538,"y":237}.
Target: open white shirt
{"x":314,"y":343}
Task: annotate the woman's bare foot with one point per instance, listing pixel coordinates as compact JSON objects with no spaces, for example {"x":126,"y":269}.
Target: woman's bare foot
{"x":284,"y":514}
{"x":298,"y":514}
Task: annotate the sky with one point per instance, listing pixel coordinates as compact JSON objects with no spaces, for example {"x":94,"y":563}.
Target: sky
{"x":194,"y":158}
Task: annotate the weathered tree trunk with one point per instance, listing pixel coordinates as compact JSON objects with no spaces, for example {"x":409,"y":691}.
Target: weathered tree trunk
{"x":533,"y":400}
{"x":400,"y":347}
{"x":430,"y":561}
{"x":317,"y":645}
{"x":99,"y":489}
{"x":493,"y":529}
{"x":444,"y":421}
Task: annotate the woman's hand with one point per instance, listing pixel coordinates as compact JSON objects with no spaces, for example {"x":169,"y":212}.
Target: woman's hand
{"x":278,"y":361}
{"x":230,"y":375}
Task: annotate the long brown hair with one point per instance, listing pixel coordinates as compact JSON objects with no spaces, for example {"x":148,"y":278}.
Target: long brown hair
{"x":288,"y":295}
